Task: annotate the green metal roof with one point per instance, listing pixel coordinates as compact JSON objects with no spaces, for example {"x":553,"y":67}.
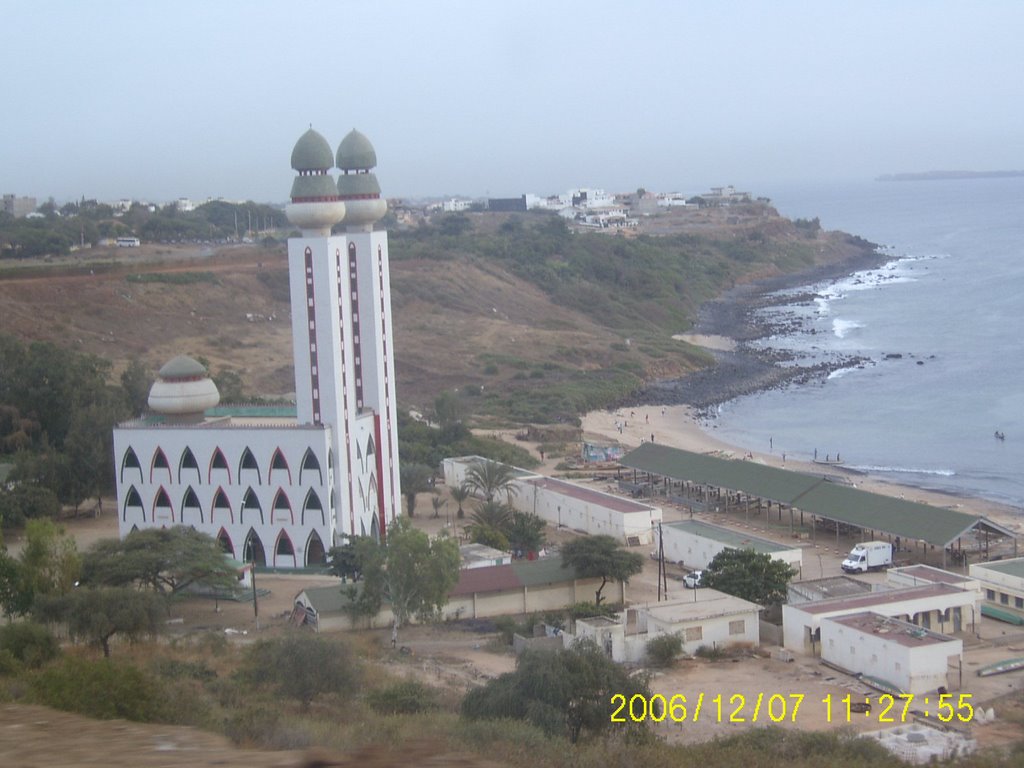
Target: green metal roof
{"x":727,"y":536}
{"x":313,"y":186}
{"x":358,"y":184}
{"x":816,"y":495}
{"x":1014,"y":567}
{"x":255,"y":411}
{"x":181,"y":367}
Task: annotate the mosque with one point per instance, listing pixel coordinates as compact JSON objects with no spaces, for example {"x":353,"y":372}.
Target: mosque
{"x":280,"y":486}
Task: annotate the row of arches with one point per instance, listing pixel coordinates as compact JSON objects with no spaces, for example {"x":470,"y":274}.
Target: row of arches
{"x":283,"y":554}
{"x":190,"y":509}
{"x":247,"y":469}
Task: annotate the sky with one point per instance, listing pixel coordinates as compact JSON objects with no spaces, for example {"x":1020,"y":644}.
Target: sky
{"x":160,"y":100}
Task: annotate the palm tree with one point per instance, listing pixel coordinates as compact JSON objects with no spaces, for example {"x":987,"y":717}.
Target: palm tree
{"x":492,"y":514}
{"x":437,"y":502}
{"x":459,"y":495}
{"x":415,"y":478}
{"x":491,"y":477}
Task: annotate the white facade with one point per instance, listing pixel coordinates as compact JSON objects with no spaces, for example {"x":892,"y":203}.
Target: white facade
{"x":695,"y":544}
{"x":936,"y":606}
{"x":569,"y":505}
{"x":1002,"y":585}
{"x":713,"y":620}
{"x":913,"y":659}
{"x":278,"y":488}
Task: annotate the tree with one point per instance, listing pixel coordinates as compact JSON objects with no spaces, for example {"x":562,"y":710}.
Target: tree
{"x":414,"y":478}
{"x":135,"y":383}
{"x":562,"y":692}
{"x":420,"y":572}
{"x":449,"y":408}
{"x":345,"y":560}
{"x":96,"y":615}
{"x":459,"y":494}
{"x":166,"y":560}
{"x":526,"y":532}
{"x":601,"y":557}
{"x":48,"y":564}
{"x":489,"y":478}
{"x":301,"y":666}
{"x":436,"y":502}
{"x":759,"y":578}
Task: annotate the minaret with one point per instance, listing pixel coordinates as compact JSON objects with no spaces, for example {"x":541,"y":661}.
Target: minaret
{"x":370,"y":289}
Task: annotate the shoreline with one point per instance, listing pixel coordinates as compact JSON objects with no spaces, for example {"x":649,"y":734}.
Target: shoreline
{"x":678,"y":426}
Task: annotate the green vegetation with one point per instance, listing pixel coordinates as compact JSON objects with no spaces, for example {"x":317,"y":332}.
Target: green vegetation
{"x":601,"y":557}
{"x":173,"y":278}
{"x":744,"y":573}
{"x":300,"y":666}
{"x":421,"y":443}
{"x":663,"y":649}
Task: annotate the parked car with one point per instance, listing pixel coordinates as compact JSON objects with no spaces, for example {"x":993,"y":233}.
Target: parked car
{"x":693,"y":579}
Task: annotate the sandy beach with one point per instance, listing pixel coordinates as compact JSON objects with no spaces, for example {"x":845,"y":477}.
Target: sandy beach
{"x":677,"y":426}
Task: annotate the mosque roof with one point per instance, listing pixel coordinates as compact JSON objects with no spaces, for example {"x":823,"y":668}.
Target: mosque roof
{"x":356,"y":153}
{"x":182,"y":367}
{"x":312,"y":152}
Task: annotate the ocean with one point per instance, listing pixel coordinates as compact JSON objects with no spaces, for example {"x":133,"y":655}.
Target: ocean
{"x":939,"y":324}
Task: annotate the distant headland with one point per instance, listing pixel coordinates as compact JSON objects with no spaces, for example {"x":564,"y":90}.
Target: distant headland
{"x":942,"y":175}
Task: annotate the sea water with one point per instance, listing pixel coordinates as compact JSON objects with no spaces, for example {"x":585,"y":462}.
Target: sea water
{"x":941,"y":329}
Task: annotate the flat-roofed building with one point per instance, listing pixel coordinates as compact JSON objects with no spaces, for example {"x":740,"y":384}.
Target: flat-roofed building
{"x":904,"y":655}
{"x":694,"y":544}
{"x":822,"y":589}
{"x":942,"y":606}
{"x":1002,"y":585}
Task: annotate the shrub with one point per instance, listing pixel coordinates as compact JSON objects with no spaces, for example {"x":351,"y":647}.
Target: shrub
{"x":405,"y":698}
{"x":663,"y":649}
{"x":102,"y":689}
{"x":300,"y":666}
{"x":31,"y":644}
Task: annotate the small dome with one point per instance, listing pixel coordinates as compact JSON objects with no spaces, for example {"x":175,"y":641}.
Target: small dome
{"x":182,"y":367}
{"x":184,"y":388}
{"x":355,"y":153}
{"x":312,"y":153}
{"x":358,"y":185}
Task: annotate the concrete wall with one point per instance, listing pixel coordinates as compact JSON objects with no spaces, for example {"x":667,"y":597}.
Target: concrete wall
{"x":716,"y":632}
{"x":1000,"y":590}
{"x":696,"y":552}
{"x":918,"y":670}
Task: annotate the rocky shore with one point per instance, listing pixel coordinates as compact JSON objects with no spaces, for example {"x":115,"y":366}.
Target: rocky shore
{"x":748,"y":368}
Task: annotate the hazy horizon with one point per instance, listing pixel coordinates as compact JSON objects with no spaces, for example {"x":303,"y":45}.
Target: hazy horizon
{"x":114,"y":100}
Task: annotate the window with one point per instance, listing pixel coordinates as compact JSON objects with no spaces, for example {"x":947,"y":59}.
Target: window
{"x":190,"y":503}
{"x":188,"y":463}
{"x":1004,"y":598}
{"x":282,"y":509}
{"x":221,"y":504}
{"x":218,"y":462}
{"x":130,"y":461}
{"x":691,"y":634}
{"x":990,"y":594}
{"x":159,"y":463}
{"x":278,"y":463}
{"x":310,"y":464}
{"x":313,"y":505}
{"x":1018,"y":602}
{"x":737,"y":627}
{"x":248,"y":462}
{"x":284,"y":545}
{"x":251,"y":504}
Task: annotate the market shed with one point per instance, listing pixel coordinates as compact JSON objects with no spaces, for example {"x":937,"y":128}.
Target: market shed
{"x":657,"y":468}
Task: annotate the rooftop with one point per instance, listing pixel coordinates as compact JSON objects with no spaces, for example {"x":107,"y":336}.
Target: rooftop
{"x":931,"y":574}
{"x":708,"y":604}
{"x":727,"y":536}
{"x":1014,"y":567}
{"x":607,"y":500}
{"x":887,"y":597}
{"x":896,"y":630}
{"x":830,"y":587}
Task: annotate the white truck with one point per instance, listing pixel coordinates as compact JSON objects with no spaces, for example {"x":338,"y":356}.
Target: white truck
{"x":868,"y":556}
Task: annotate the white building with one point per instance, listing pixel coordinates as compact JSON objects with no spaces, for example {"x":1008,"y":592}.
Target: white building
{"x":909,"y":657}
{"x":569,"y":505}
{"x":949,"y":609}
{"x":281,"y":486}
{"x":1003,"y":584}
{"x":704,"y":617}
{"x":695,"y":544}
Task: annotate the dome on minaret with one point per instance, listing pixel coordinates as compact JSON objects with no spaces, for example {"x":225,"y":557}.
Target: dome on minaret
{"x":315,"y":206}
{"x":183,"y":388}
{"x":355,"y":153}
{"x":312,"y":152}
{"x":358,"y":185}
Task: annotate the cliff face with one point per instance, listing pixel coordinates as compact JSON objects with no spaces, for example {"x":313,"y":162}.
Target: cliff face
{"x":524,"y":317}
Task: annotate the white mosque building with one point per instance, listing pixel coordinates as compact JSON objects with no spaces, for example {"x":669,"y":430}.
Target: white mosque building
{"x":280,"y":486}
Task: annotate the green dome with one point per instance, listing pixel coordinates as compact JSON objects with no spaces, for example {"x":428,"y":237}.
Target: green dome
{"x":182,"y":367}
{"x":312,"y":153}
{"x":313,"y":187}
{"x":355,"y":153}
{"x":358,"y":185}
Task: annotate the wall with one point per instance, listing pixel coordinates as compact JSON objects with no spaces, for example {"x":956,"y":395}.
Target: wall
{"x":714,"y":631}
{"x":696,"y":551}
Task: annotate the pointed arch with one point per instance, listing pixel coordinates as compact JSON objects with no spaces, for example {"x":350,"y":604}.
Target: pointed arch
{"x":284,"y":551}
{"x":371,"y":447}
{"x":280,"y":464}
{"x":218,"y":463}
{"x":187,"y":463}
{"x":224,"y":539}
{"x":375,"y":529}
{"x":310,"y":464}
{"x":330,"y":459}
{"x":135,"y":529}
{"x":162,"y":509}
{"x":281,"y":507}
{"x":160,"y":462}
{"x":252,"y":550}
{"x":130,"y":460}
{"x":248,"y":463}
{"x":313,"y":505}
{"x":221,"y":504}
{"x":133,"y":504}
{"x":251,"y":504}
{"x":316,"y":553}
{"x":190,"y":505}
